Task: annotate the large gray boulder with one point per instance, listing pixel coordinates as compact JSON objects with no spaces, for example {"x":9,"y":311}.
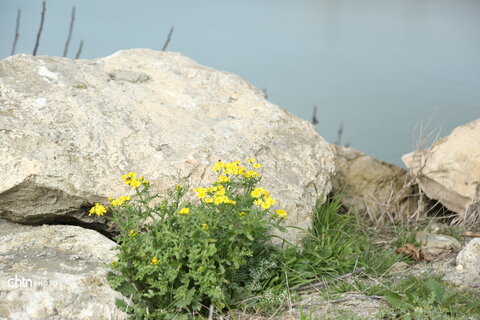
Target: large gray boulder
{"x":449,"y":171}
{"x":378,"y":190}
{"x":71,"y":128}
{"x":55,"y":272}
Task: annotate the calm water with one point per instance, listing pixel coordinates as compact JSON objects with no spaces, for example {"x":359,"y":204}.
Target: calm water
{"x":380,"y":67}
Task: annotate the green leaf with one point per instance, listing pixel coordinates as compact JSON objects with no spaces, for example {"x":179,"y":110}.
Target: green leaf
{"x":122,"y":305}
{"x":437,"y":288}
{"x":396,"y":301}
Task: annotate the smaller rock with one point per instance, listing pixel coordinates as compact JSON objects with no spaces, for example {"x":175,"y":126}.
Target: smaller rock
{"x":469,"y":257}
{"x":433,"y":245}
{"x":55,"y":272}
{"x":373,"y":187}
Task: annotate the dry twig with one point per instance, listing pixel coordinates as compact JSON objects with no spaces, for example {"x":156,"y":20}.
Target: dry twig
{"x":17,"y":34}
{"x":42,"y":19}
{"x":169,"y":37}
{"x":70,"y":31}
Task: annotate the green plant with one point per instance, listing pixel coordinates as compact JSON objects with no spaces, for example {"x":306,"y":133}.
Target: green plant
{"x":334,"y":245}
{"x":177,"y":258}
{"x":427,"y":297}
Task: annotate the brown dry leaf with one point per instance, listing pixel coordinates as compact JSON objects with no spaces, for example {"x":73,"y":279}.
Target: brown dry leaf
{"x":410,"y":250}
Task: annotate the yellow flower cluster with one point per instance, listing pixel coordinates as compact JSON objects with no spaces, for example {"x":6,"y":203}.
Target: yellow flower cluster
{"x":234,"y":168}
{"x":184,"y":211}
{"x":282,"y":214}
{"x":98,"y":209}
{"x":251,"y":174}
{"x":204,"y":227}
{"x":230,"y":168}
{"x":119,"y":201}
{"x":131,"y":180}
{"x":263,"y":198}
{"x":215,"y":194}
{"x":132,"y":233}
{"x":155,"y":260}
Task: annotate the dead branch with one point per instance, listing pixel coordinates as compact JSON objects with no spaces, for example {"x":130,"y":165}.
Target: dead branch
{"x":42,"y":19}
{"x":471,"y":234}
{"x":17,"y":34}
{"x":79,"y":50}
{"x":70,"y":31}
{"x":314,"y":116}
{"x":339,"y":134}
{"x":169,"y":37}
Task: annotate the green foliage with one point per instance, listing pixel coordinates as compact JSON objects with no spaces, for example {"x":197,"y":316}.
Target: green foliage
{"x":427,"y":297}
{"x":335,"y":245}
{"x":176,"y":258}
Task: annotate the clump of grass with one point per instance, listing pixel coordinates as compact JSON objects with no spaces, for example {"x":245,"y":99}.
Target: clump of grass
{"x":335,"y":245}
{"x":426,"y":297}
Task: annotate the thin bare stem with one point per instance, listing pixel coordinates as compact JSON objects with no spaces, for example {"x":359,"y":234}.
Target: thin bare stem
{"x":42,"y":19}
{"x":17,"y":34}
{"x":79,"y":50}
{"x":339,"y":134}
{"x":70,"y":31}
{"x":314,"y":116}
{"x":169,"y":37}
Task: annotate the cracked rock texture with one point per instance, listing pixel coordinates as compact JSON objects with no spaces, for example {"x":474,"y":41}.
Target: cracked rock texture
{"x":70,"y":128}
{"x":55,"y":272}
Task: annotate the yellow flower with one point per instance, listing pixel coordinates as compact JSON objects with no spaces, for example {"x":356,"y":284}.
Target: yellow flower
{"x":258,"y":192}
{"x":204,"y":227}
{"x":257,"y":165}
{"x":222,"y":199}
{"x":242,"y":214}
{"x":132,"y":233}
{"x":184,"y":211}
{"x":155,"y":260}
{"x":222,"y":179}
{"x":208,"y":200}
{"x":219,"y":199}
{"x":234,"y":168}
{"x":251,"y":174}
{"x":265,"y":202}
{"x":134,"y":183}
{"x":220,"y":191}
{"x":119,"y":201}
{"x":98,"y":209}
{"x":129,"y":176}
{"x":282,"y":214}
{"x":218,"y":166}
{"x":251,"y":160}
{"x":201,"y":192}
{"x":269,"y":201}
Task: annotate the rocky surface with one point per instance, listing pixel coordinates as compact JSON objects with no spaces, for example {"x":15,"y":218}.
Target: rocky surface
{"x":373,"y":187}
{"x":71,"y":128}
{"x":468,"y":259}
{"x":449,"y":171}
{"x":55,"y":272}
